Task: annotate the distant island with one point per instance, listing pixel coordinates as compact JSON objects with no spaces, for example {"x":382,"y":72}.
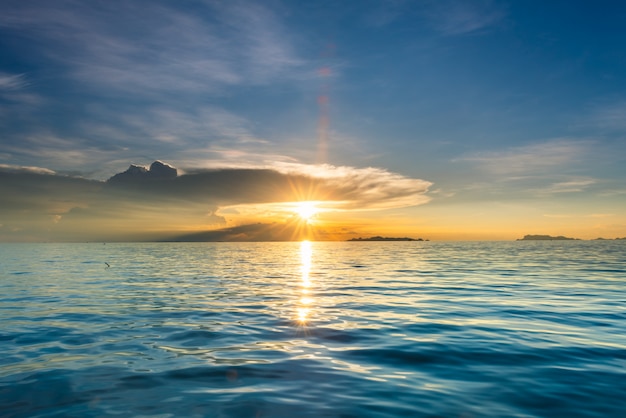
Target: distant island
{"x":386,"y":239}
{"x":546,"y":238}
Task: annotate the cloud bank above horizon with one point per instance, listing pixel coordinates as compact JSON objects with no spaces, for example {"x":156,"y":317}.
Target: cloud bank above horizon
{"x":158,"y":203}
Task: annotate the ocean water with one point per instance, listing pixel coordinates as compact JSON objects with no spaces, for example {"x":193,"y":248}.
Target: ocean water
{"x":322,"y":329}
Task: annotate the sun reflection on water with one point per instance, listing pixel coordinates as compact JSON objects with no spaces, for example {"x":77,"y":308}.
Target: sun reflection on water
{"x":304,"y":309}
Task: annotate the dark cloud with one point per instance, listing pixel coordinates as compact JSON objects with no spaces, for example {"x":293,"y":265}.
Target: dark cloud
{"x":24,"y":189}
{"x":221,"y":186}
{"x":262,"y":232}
{"x":157,"y":203}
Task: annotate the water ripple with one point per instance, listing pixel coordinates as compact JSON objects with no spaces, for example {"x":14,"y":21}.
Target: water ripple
{"x":424,"y":329}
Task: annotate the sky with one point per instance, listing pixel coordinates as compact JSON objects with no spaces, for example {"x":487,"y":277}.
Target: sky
{"x":434,"y":119}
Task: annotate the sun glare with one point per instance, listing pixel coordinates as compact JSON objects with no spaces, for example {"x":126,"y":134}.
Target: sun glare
{"x":304,"y":308}
{"x":306,"y":210}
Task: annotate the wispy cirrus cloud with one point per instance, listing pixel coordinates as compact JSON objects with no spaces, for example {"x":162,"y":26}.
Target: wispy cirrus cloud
{"x":17,"y":100}
{"x":459,"y":17}
{"x":191,"y":126}
{"x":446,"y":17}
{"x":609,"y":116}
{"x":539,"y":170}
{"x":68,"y":154}
{"x":11,"y":82}
{"x":530,"y":159}
{"x":205,"y":136}
{"x":14,"y":92}
{"x":386,"y":11}
{"x":572,"y":186}
{"x":167,"y":49}
{"x":152,"y":78}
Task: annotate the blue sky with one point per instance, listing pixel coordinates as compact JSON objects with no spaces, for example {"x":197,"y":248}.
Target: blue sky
{"x":504,"y":116}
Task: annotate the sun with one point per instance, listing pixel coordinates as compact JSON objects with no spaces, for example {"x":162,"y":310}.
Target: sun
{"x":306,"y":210}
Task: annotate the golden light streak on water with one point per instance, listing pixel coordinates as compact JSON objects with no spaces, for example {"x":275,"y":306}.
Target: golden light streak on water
{"x":305,"y":255}
{"x":303,"y":311}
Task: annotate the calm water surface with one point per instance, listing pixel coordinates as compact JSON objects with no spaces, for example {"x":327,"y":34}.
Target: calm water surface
{"x":345,"y":329}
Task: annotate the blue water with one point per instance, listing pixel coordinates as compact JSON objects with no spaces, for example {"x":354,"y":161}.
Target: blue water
{"x":337,"y":329}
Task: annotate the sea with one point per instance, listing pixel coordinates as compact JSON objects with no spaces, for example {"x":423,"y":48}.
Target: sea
{"x":313,"y":329}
